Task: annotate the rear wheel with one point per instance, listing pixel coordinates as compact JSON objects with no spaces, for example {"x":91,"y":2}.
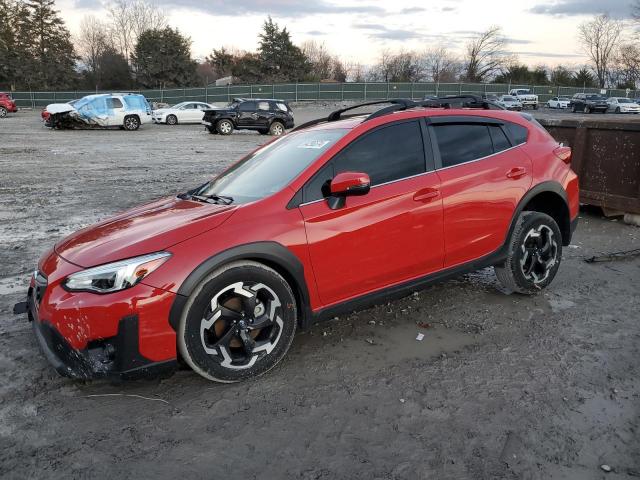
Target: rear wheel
{"x":172,"y":120}
{"x":224,"y":127}
{"x":3,"y":112}
{"x":131,"y":123}
{"x":238,"y":323}
{"x":573,"y":108}
{"x":276,"y":129}
{"x":587,"y":109}
{"x":535,"y":252}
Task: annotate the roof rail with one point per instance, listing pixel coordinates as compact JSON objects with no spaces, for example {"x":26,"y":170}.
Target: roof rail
{"x":398,"y":104}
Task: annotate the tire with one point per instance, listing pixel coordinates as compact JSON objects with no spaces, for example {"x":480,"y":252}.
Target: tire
{"x":131,"y":123}
{"x":3,"y":112}
{"x":534,"y":256}
{"x":617,"y":109}
{"x":276,"y":129}
{"x":220,"y":342}
{"x":573,"y":109}
{"x":535,"y":107}
{"x":172,"y":120}
{"x":587,"y":110}
{"x":224,"y":127}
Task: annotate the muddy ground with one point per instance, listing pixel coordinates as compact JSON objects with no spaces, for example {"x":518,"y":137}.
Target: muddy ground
{"x":502,"y":386}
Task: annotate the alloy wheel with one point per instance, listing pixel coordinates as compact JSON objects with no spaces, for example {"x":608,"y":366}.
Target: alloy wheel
{"x":225,"y":127}
{"x":3,"y":112}
{"x":131,"y":123}
{"x":241,"y":324}
{"x":277,"y":129}
{"x":539,"y":254}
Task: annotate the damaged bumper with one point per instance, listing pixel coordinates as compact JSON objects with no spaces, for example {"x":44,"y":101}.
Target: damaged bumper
{"x":94,"y":344}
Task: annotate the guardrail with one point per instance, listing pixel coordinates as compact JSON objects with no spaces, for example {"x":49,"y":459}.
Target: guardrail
{"x":301,"y":92}
{"x":606,"y":157}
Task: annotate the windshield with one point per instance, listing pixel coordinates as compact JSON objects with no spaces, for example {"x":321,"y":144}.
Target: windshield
{"x":182,"y":104}
{"x":83,"y":101}
{"x":595,"y":97}
{"x":272,"y":167}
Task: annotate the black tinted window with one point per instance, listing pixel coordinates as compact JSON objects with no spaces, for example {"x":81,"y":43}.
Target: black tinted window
{"x":517,"y":132}
{"x":387,"y":154}
{"x":499,"y":138}
{"x":247,"y":106}
{"x":318,"y":186}
{"x":460,"y":143}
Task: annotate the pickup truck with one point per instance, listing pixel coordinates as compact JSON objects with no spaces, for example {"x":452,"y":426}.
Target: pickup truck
{"x":526,"y":98}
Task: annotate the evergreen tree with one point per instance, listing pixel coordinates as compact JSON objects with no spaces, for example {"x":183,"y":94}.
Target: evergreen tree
{"x":51,"y":48}
{"x":162,"y":58}
{"x":15,"y":53}
{"x":281,"y":59}
{"x":584,"y":78}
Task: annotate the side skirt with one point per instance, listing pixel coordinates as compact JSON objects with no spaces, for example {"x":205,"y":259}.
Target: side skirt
{"x":398,"y":291}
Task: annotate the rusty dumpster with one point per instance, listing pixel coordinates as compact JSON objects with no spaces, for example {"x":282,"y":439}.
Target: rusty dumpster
{"x":606,"y":157}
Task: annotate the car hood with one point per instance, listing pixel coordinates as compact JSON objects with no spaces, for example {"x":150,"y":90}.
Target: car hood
{"x":59,"y":108}
{"x":144,"y":229}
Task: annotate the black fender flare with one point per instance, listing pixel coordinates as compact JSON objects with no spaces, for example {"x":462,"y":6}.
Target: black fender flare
{"x":548,"y":186}
{"x":272,"y":254}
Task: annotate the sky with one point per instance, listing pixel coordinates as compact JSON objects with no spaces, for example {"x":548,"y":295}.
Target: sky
{"x":539,"y":31}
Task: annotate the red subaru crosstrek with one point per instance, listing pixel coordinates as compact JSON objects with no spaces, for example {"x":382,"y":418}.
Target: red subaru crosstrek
{"x":329,"y":218}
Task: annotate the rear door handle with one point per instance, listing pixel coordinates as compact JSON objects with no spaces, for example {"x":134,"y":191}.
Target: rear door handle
{"x":426,"y":194}
{"x":517,"y":172}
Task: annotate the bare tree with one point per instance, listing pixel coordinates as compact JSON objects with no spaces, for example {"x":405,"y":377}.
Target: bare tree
{"x":403,"y":66}
{"x":320,"y":59}
{"x":599,"y":38}
{"x":129,"y":18}
{"x":440,"y":64}
{"x":486,"y":55}
{"x":625,"y":72}
{"x":92,"y":41}
{"x":355,"y":71}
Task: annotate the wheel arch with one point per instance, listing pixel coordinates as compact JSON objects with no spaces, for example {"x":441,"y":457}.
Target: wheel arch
{"x":549,"y":198}
{"x":271,"y":254}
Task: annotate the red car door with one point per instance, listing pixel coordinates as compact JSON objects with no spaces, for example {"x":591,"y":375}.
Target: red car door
{"x":391,"y":234}
{"x":484,"y":175}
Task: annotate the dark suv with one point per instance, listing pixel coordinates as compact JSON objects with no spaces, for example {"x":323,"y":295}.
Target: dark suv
{"x":588,"y":102}
{"x":267,"y":116}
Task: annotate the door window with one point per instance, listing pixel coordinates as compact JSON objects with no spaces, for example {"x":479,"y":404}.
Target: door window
{"x":460,"y":143}
{"x":247,"y":106}
{"x":387,"y":154}
{"x":263,"y":106}
{"x":499,"y":138}
{"x":114,"y":102}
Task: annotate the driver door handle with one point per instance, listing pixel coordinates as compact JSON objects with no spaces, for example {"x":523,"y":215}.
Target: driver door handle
{"x":426,"y":195}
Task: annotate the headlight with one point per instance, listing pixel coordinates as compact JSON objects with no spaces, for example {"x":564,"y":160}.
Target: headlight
{"x":116,"y":276}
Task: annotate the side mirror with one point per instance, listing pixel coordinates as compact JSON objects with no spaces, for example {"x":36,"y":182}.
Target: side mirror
{"x":346,"y":184}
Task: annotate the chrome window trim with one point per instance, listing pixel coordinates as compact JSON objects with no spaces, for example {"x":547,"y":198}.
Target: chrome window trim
{"x":481,"y":158}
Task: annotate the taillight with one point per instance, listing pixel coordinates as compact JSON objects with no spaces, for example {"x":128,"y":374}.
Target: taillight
{"x":564,"y":154}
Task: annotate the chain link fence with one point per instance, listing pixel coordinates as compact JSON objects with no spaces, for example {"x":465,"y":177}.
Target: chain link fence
{"x":303,"y":92}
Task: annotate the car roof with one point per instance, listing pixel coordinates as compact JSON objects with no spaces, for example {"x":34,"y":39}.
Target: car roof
{"x":240,"y":99}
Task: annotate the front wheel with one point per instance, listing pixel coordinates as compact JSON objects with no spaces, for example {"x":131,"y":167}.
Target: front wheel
{"x":172,"y":120}
{"x":534,"y":255}
{"x":276,"y":129}
{"x":3,"y":112}
{"x":617,"y":109}
{"x":224,"y":127}
{"x":239,"y":322}
{"x":131,"y":123}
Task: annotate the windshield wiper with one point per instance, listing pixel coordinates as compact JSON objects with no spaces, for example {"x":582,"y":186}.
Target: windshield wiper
{"x":213,"y":198}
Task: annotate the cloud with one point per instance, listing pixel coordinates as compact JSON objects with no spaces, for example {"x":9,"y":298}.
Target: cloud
{"x":281,"y":8}
{"x":549,"y":54}
{"x":316,"y":33}
{"x":409,"y":10}
{"x":448,"y":9}
{"x":383,"y":32}
{"x":617,"y":8}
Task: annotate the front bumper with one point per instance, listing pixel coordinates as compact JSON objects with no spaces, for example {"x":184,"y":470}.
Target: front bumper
{"x":87,"y":335}
{"x":114,"y":357}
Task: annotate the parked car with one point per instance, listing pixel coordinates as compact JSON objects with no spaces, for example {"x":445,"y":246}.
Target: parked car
{"x":491,"y":97}
{"x":559,"y":102}
{"x":7,"y":105}
{"x":124,"y":110}
{"x":526,"y":97}
{"x":185,"y":112}
{"x":341,"y":214}
{"x":509,"y":102}
{"x":623,"y":105}
{"x":267,"y":116}
{"x":588,"y":103}
{"x":45,"y":114}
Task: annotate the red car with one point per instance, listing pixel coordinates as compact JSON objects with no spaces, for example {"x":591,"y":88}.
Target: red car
{"x":329,"y":218}
{"x":7,"y":105}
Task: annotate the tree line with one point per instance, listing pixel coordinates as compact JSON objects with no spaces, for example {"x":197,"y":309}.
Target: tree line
{"x":133,"y":46}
